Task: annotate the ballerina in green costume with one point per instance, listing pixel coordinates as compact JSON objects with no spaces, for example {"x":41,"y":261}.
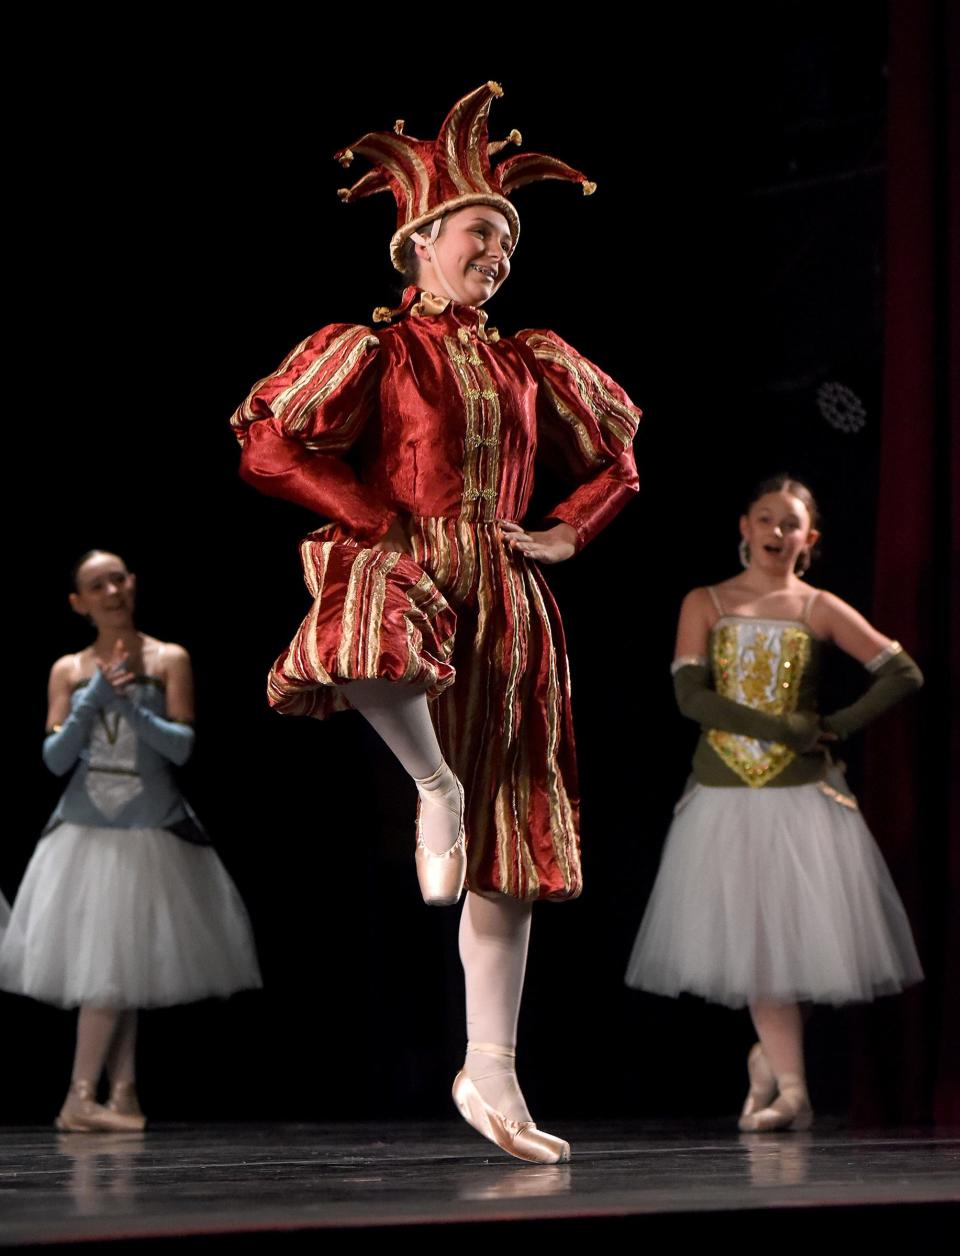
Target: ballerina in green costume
{"x":771,"y":891}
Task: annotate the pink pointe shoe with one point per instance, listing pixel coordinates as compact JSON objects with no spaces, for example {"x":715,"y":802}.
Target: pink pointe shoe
{"x":81,"y":1114}
{"x":763,"y":1086}
{"x":441,"y":877}
{"x":517,"y":1138}
{"x":123,"y":1100}
{"x":789,"y":1111}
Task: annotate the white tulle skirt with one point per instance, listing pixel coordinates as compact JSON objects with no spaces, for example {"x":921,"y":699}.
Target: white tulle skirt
{"x":126,"y":918}
{"x":777,"y":894}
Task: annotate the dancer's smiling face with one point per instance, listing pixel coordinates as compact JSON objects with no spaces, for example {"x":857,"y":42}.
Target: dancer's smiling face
{"x":471,"y":252}
{"x":777,"y":528}
{"x":105,"y":591}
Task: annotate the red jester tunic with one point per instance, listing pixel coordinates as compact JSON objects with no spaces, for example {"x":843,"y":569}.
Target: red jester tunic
{"x":444,"y":421}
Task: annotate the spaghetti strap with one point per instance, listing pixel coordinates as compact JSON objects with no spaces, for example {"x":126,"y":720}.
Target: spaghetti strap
{"x":714,"y":598}
{"x":808,"y":607}
{"x":77,"y":671}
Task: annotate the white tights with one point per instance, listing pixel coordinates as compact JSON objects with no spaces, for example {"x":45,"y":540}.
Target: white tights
{"x":495,"y":930}
{"x":494,"y":934}
{"x":399,"y":714}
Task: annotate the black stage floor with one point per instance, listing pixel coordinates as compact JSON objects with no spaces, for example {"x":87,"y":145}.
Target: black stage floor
{"x":293,"y":1185}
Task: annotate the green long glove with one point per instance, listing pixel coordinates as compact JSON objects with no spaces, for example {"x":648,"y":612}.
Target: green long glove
{"x":699,"y":701}
{"x":894,"y":678}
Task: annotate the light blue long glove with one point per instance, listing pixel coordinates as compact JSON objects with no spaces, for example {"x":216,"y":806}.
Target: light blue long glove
{"x":174,"y":741}
{"x":61,"y":749}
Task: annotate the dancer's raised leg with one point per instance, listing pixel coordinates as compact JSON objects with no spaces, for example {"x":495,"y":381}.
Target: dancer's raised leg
{"x":399,"y":714}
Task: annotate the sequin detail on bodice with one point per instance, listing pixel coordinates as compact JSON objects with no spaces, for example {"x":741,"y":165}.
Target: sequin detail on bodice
{"x":112,"y":779}
{"x":760,"y":663}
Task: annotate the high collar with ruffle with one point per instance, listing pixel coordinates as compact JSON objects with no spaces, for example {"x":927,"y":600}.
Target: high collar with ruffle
{"x":417,"y":303}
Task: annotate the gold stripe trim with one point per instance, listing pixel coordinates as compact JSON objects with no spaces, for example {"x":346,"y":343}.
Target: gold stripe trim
{"x":347,"y":651}
{"x":561,"y":824}
{"x":294,"y":405}
{"x":244,"y":415}
{"x":400,"y":157}
{"x":613,"y":415}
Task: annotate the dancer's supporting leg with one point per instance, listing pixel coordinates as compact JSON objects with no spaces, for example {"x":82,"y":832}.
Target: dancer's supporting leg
{"x":96,"y":1027}
{"x":779,"y":1027}
{"x":494,"y":935}
{"x":122,"y":1068}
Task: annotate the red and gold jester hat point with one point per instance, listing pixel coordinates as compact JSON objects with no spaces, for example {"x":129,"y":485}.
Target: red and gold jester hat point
{"x":433,"y":177}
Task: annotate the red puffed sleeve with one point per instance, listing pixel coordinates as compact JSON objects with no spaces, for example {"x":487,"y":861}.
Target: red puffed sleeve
{"x":586,"y":426}
{"x":296,"y":424}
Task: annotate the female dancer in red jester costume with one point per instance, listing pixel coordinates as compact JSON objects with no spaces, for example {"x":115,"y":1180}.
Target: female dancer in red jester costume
{"x":430,"y":613}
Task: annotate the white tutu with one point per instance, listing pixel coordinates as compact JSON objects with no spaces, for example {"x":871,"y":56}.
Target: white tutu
{"x":778,"y":894}
{"x":126,"y":918}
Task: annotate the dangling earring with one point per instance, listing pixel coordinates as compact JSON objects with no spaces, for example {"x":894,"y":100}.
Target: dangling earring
{"x":802,"y":565}
{"x":743,"y":549}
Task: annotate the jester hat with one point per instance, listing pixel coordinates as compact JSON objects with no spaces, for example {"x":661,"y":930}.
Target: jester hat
{"x":429,"y":178}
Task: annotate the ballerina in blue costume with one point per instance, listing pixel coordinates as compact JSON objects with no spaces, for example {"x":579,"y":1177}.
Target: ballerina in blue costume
{"x":771,"y":891}
{"x":124,"y":903}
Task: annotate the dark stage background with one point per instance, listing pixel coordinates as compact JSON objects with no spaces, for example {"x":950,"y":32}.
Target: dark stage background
{"x":179,"y":232}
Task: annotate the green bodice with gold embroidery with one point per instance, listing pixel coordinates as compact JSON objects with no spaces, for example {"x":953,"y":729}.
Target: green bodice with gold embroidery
{"x":770,"y":665}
